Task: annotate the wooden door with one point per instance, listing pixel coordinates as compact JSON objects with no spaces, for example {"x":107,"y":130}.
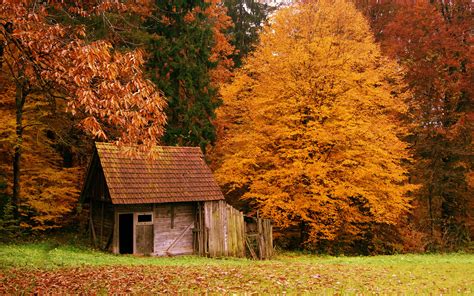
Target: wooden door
{"x":144,"y":233}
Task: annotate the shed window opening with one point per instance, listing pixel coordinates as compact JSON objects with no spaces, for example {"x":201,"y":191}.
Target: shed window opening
{"x":145,"y":218}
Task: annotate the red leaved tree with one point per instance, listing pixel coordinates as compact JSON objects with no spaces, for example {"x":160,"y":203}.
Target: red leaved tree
{"x":434,"y":42}
{"x":101,"y":86}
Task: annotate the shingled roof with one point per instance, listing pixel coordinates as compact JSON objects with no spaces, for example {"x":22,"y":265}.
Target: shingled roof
{"x":174,"y":174}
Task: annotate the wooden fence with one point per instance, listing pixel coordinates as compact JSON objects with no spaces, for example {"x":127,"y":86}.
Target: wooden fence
{"x":222,"y":231}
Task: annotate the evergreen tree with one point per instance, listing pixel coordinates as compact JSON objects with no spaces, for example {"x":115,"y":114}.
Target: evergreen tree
{"x":179,"y":64}
{"x":248,"y":16}
{"x":8,"y":224}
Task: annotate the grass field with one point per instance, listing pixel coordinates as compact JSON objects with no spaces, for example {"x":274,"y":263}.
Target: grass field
{"x":58,"y":269}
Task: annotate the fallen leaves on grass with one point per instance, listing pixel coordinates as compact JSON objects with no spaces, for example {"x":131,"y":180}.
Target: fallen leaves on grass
{"x":276,"y":277}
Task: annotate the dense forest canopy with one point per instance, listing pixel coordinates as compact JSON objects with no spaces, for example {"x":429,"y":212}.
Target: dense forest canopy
{"x":433,"y":42}
{"x":348,"y":123}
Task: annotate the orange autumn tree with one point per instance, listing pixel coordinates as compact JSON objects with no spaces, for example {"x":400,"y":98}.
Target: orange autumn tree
{"x":54,"y":65}
{"x":310,"y":127}
{"x":49,"y":186}
{"x":222,"y":50}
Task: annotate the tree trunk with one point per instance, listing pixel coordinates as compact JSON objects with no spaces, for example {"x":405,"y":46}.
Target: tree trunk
{"x":430,"y":211}
{"x":20,"y":98}
{"x":239,"y":25}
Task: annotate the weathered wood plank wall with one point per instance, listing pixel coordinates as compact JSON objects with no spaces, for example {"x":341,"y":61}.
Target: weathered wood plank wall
{"x":259,"y":237}
{"x":212,"y":228}
{"x":171,"y":232}
{"x":101,"y":210}
{"x":200,"y":232}
{"x":174,"y":225}
{"x":265,"y":244}
{"x":225,"y":230}
{"x":101,"y":223}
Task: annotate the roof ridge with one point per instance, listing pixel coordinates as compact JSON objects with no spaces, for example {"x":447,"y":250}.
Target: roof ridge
{"x":157,"y":146}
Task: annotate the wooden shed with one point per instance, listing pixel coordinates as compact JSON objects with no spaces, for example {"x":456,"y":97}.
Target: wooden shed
{"x":166,"y":205}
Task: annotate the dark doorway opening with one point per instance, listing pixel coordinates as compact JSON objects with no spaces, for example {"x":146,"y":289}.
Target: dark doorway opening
{"x":126,"y":233}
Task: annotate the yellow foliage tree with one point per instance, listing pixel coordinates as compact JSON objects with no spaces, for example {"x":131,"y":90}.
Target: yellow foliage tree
{"x":309,"y":128}
{"x":49,"y":191}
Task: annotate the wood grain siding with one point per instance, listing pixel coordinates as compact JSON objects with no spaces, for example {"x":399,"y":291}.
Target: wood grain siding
{"x":101,"y":210}
{"x":134,"y":208}
{"x":200,"y":232}
{"x":144,"y":239}
{"x":259,"y":237}
{"x":225,"y":229}
{"x":173,"y":227}
{"x":211,"y":228}
{"x":102,"y":223}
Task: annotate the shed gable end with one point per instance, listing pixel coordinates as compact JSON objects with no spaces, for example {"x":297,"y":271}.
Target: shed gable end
{"x":172,"y":174}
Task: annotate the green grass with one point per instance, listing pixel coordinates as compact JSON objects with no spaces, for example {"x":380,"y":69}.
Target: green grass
{"x":46,"y":255}
{"x":45,"y":267}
